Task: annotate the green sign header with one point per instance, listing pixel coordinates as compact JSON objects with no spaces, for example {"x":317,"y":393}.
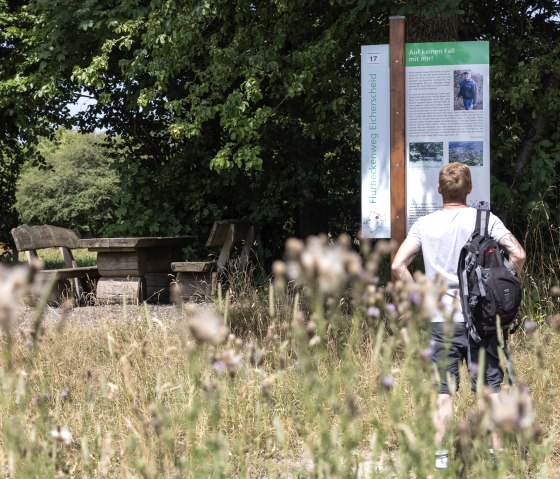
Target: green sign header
{"x":446,"y":53}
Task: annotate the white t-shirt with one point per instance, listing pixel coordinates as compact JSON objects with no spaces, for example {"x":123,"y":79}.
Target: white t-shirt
{"x":441,"y":235}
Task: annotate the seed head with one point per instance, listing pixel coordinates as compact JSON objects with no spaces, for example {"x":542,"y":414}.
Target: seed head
{"x":205,"y":326}
{"x":314,"y":341}
{"x":266,"y":387}
{"x":294,"y":248}
{"x":278,"y":269}
{"x":61,"y":435}
{"x":554,"y":322}
{"x":232,"y":360}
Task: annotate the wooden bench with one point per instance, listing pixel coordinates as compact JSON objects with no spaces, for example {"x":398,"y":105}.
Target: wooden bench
{"x":71,"y":281}
{"x":201,"y":277}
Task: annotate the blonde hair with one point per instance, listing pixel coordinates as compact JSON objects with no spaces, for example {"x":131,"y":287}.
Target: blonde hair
{"x":455,"y":182}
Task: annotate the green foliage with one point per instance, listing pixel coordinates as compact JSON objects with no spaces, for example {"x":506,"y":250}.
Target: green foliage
{"x":26,"y":110}
{"x":252,"y":109}
{"x":9,"y":168}
{"x":74,"y":187}
{"x":223,"y":108}
{"x":525,"y":95}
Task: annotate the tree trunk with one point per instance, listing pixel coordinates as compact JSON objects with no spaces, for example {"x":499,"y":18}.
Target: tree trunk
{"x":428,"y":23}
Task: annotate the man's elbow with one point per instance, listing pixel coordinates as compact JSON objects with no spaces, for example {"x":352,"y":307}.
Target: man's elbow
{"x":518,"y":258}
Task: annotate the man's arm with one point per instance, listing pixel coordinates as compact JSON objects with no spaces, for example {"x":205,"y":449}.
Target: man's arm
{"x":405,"y":254}
{"x":515,"y":251}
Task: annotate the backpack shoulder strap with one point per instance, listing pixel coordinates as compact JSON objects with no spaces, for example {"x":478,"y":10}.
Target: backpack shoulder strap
{"x":482,"y":220}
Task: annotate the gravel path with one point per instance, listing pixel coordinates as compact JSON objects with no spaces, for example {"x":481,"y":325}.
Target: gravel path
{"x":95,"y":315}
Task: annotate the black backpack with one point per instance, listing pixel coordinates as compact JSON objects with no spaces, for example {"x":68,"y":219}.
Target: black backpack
{"x":488,"y":284}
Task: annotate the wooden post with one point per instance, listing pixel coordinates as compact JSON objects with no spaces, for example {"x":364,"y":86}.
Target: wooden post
{"x":397,"y":34}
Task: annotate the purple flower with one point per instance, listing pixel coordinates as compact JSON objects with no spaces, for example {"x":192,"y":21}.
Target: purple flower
{"x":530,"y":327}
{"x":387,"y":382}
{"x":391,"y":309}
{"x":29,"y":343}
{"x":373,"y":312}
{"x":65,"y":395}
{"x":473,"y":368}
{"x":414,"y":297}
{"x":219,"y":366}
{"x":426,"y":354}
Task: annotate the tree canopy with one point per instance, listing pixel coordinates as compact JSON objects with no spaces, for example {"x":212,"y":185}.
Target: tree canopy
{"x":252,"y":109}
{"x":73,"y":187}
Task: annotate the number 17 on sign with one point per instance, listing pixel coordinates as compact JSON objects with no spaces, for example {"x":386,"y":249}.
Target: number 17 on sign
{"x":373,"y":57}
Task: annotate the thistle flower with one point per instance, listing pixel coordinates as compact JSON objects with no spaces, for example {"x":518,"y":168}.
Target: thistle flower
{"x":256,"y":355}
{"x":61,"y":435}
{"x":232,"y":360}
{"x":414,"y":297}
{"x":328,"y":265}
{"x":294,"y":248}
{"x":530,"y":327}
{"x":387,"y":382}
{"x":314,"y":341}
{"x":355,"y":405}
{"x":391,"y":309}
{"x":426,"y":354}
{"x":266,"y":387}
{"x":473,"y":368}
{"x":310,"y":328}
{"x":554,"y":322}
{"x":205,"y":326}
{"x":219,"y":366}
{"x":514,"y":412}
{"x":113,"y":390}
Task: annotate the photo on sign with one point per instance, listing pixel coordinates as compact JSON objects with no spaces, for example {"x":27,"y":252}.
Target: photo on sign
{"x":468,"y":152}
{"x":467,"y":90}
{"x":424,"y":154}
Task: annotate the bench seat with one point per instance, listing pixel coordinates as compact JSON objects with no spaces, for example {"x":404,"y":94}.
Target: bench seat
{"x":201,"y":277}
{"x":73,"y":281}
{"x":69,"y":273}
{"x":193,"y":266}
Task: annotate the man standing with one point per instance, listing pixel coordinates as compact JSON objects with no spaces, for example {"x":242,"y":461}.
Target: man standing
{"x":467,"y":91}
{"x":440,"y":237}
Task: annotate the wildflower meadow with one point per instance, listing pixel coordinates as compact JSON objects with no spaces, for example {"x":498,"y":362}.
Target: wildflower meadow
{"x":323,"y":371}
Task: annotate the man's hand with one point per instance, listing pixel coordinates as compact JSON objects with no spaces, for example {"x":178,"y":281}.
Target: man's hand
{"x":406,"y":253}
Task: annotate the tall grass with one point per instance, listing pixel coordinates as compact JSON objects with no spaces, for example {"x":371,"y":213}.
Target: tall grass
{"x":325,"y":372}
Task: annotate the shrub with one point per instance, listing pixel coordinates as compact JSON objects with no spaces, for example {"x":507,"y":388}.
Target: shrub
{"x":73,"y":186}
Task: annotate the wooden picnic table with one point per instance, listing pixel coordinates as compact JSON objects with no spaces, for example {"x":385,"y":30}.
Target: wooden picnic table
{"x":136,"y":268}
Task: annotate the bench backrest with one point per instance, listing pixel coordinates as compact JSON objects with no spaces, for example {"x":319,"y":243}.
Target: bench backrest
{"x":32,"y":238}
{"x":230,"y":233}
